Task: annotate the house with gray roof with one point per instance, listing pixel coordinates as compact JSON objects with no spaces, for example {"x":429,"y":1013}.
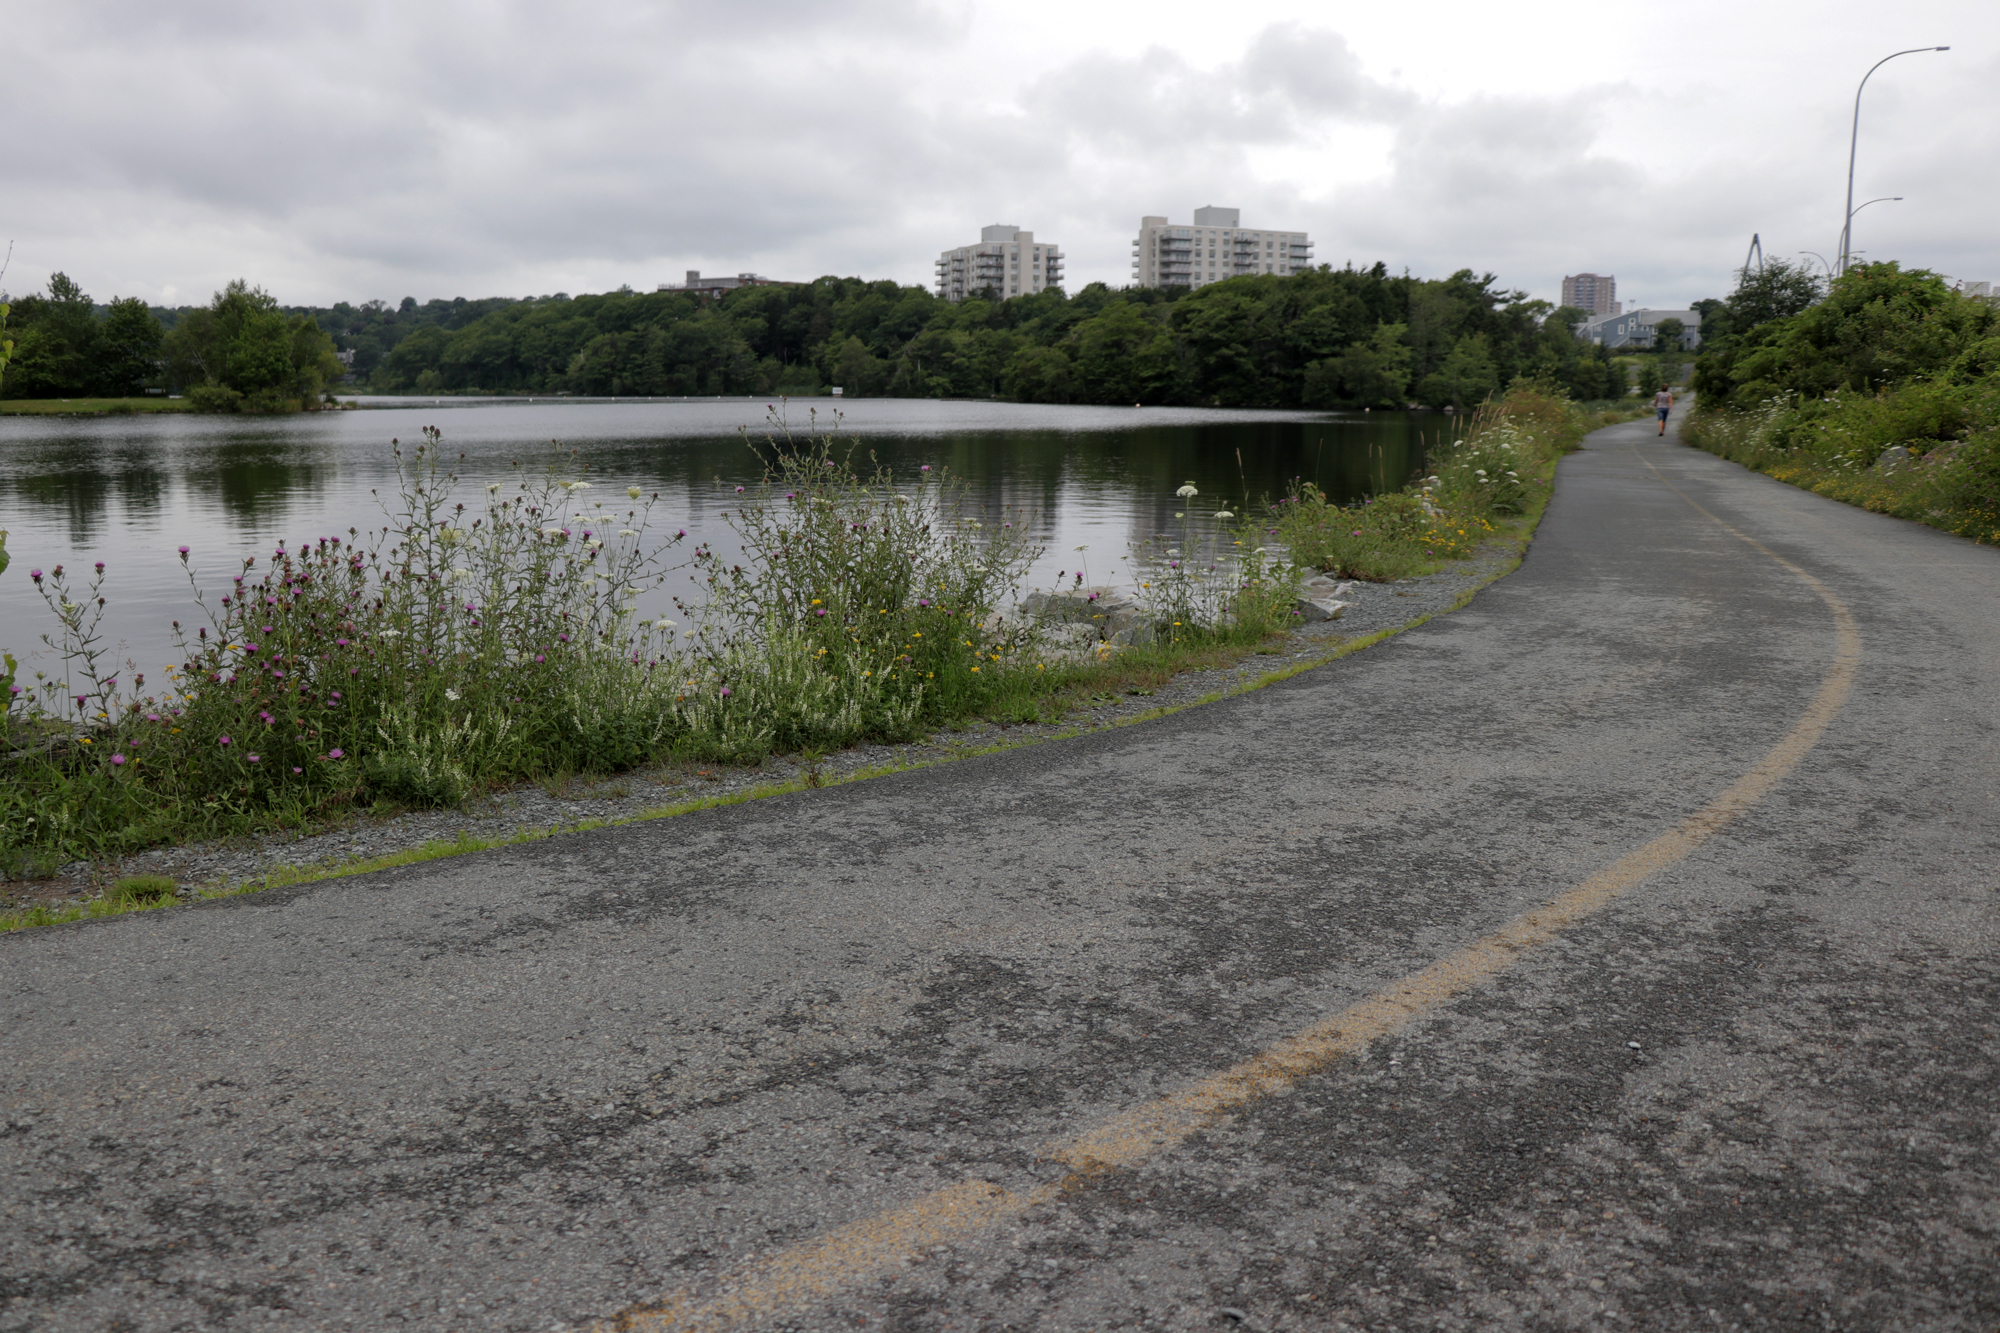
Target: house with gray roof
{"x":1634,"y":329}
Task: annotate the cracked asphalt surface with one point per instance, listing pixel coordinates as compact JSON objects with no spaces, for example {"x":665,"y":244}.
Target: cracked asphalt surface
{"x":554,"y":1086}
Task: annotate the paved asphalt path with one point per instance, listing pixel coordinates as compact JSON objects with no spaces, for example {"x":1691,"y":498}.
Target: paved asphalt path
{"x":979,"y":1047}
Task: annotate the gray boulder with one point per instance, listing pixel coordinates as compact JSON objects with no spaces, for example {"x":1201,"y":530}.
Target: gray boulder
{"x":1322,"y":598}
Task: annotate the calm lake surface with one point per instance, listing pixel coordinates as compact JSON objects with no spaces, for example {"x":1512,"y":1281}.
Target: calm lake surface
{"x":129,"y":490}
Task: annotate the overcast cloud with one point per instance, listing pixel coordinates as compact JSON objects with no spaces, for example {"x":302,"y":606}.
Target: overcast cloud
{"x":478,"y":147}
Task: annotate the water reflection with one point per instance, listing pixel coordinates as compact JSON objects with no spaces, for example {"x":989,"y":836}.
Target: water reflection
{"x":129,"y":490}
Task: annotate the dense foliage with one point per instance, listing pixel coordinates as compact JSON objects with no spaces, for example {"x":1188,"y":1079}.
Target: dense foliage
{"x":1882,"y":389}
{"x":239,"y":352}
{"x":1322,"y":338}
{"x":1501,"y":468}
{"x":67,"y":348}
{"x":242,"y":352}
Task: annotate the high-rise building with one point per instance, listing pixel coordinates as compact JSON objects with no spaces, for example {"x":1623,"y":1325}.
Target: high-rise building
{"x":1215,"y":246}
{"x":1006,"y":262}
{"x":1593,"y":293}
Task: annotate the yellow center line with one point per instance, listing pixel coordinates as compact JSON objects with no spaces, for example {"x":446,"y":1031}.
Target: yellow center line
{"x":813,"y":1271}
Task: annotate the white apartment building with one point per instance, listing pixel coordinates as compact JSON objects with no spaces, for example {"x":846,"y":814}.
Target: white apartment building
{"x":1214,"y":247}
{"x":1007,"y":262}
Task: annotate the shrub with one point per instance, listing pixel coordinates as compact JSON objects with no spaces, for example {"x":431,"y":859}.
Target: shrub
{"x":889,"y":589}
{"x":1501,"y":467}
{"x":448,"y":648}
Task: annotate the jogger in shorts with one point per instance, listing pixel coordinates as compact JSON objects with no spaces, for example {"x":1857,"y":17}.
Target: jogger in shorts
{"x":1663,"y":403}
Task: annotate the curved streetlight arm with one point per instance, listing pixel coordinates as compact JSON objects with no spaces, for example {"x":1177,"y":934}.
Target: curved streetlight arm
{"x":1854,"y":142}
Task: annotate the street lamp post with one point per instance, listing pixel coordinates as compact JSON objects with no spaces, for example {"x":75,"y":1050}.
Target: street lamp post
{"x":1847,"y":241}
{"x":1854,"y":141}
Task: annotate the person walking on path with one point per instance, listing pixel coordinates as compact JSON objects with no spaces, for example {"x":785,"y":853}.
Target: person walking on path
{"x":1663,"y":403}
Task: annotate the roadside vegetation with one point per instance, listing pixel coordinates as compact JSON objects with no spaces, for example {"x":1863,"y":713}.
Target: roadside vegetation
{"x":1882,"y":390}
{"x":475,"y":641}
{"x":1500,"y":472}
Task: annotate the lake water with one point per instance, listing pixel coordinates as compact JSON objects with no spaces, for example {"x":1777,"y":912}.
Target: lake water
{"x":129,"y":490}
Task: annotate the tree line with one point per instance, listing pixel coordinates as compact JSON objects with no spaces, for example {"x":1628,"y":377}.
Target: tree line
{"x":241,"y":351}
{"x":1322,"y":338}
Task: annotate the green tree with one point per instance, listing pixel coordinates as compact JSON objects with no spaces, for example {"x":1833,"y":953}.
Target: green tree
{"x":1466,"y":376}
{"x":1879,"y":325}
{"x":243,"y":353}
{"x":58,"y":349}
{"x":128,"y":348}
{"x":1040,"y":375}
{"x":1667,"y":335}
{"x":1375,"y":373}
{"x":1107,"y":354}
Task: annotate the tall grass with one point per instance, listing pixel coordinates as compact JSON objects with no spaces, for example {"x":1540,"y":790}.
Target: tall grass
{"x":1501,"y":467}
{"x":1947,"y":474}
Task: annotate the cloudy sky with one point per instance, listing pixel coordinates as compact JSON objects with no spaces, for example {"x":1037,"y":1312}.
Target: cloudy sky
{"x":439,"y":148}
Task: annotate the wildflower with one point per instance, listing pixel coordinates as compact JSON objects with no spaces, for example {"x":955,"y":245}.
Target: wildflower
{"x":336,"y":754}
{"x":298,"y":770}
{"x":1187,"y":492}
{"x":1224,"y":513}
{"x":925,"y":468}
{"x":725,"y":691}
{"x":739,"y":490}
{"x":222,"y":741}
{"x":552,"y":532}
{"x":576,"y":486}
{"x":632,"y":491}
{"x":254,"y":758}
{"x":152,"y":717}
{"x":184,"y":552}
{"x":117,"y":758}
{"x":627,"y":532}
{"x":451,"y":695}
{"x":491,"y":487}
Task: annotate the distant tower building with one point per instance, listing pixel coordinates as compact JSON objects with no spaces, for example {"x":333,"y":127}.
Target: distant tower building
{"x":1006,"y":262}
{"x":1215,"y":247}
{"x":1594,"y":293}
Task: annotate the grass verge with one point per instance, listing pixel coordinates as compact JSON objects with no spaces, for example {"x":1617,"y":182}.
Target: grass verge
{"x":90,"y":407}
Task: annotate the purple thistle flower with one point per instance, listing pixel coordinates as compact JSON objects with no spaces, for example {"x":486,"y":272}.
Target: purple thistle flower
{"x":117,"y":758}
{"x":224,"y":740}
{"x":184,"y":551}
{"x":336,"y":754}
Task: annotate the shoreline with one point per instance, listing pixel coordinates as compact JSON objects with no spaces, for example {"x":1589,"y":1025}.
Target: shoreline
{"x":210,"y":871}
